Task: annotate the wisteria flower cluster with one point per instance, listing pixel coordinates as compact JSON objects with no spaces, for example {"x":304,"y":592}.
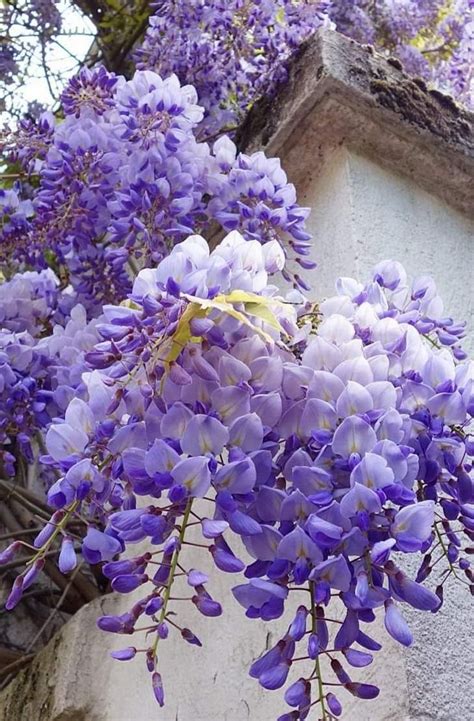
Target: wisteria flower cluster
{"x":210,"y":402}
{"x":28,"y":29}
{"x":122,"y":179}
{"x":43,"y":339}
{"x":169,"y":396}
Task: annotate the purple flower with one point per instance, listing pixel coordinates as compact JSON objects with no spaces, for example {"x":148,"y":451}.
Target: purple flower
{"x":194,"y":475}
{"x":246,"y":432}
{"x":413,"y":593}
{"x":213,"y":528}
{"x":190,"y":637}
{"x":153,"y":605}
{"x":333,"y":704}
{"x":197,"y":578}
{"x":298,"y":626}
{"x":335,"y":572}
{"x":64,"y":441}
{"x":412,"y":526}
{"x":157,"y":684}
{"x":98,"y":546}
{"x":257,"y":593}
{"x":128,"y":583}
{"x":47,"y":531}
{"x":324,"y":533}
{"x":9,"y":552}
{"x":236,"y":476}
{"x":356,"y":658}
{"x":295,"y":693}
{"x":372,"y":472}
{"x":117,"y":624}
{"x":354,"y":435}
{"x":347,"y":632}
{"x":206,"y":605}
{"x":396,"y":624}
{"x":125,"y":654}
{"x":223,"y":557}
{"x":275,"y":677}
{"x":33,"y":572}
{"x":298,"y":545}
{"x":359,"y":498}
{"x":90,"y":91}
{"x":204,"y":434}
{"x":15,"y":594}
{"x":363,"y":690}
{"x":67,"y":556}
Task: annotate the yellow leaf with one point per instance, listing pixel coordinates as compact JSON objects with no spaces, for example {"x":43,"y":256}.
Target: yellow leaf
{"x":222,"y":304}
{"x":258,"y":306}
{"x":264,"y":313}
{"x":254,"y":305}
{"x":280,"y":16}
{"x":130,"y":304}
{"x":182,"y":334}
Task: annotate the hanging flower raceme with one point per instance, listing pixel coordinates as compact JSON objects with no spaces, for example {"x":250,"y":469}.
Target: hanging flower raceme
{"x":40,"y":373}
{"x":330,"y":455}
{"x":123,"y":179}
{"x":198,"y":406}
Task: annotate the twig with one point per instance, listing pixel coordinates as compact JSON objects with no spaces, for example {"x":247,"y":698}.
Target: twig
{"x":16,"y":665}
{"x":55,"y":609}
{"x":19,"y":534}
{"x":22,"y":560}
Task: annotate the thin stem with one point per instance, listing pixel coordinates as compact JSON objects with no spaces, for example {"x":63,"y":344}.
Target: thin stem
{"x":24,"y":561}
{"x":445,"y":551}
{"x":174,"y":565}
{"x":69,"y":510}
{"x":19,"y":534}
{"x":16,"y":665}
{"x":317,"y":665}
{"x":55,"y":609}
{"x":170,"y":621}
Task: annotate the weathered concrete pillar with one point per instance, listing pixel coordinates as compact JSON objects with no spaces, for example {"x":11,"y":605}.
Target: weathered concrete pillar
{"x":387,"y":168}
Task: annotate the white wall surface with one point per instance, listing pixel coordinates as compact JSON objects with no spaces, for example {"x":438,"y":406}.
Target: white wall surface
{"x":362,"y":213}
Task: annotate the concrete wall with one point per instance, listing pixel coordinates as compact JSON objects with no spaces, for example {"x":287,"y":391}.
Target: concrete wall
{"x":361,"y":214}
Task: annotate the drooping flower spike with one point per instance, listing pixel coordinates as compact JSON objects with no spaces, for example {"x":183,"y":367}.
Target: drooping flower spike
{"x":328,"y":454}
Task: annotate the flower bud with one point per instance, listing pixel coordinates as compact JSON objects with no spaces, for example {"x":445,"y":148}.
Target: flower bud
{"x":125,"y":654}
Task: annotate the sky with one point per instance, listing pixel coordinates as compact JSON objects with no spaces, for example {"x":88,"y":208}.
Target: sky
{"x":63,"y":55}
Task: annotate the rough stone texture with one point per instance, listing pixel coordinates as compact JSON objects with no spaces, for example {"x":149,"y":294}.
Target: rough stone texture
{"x":365,"y":170}
{"x":340,"y":92}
